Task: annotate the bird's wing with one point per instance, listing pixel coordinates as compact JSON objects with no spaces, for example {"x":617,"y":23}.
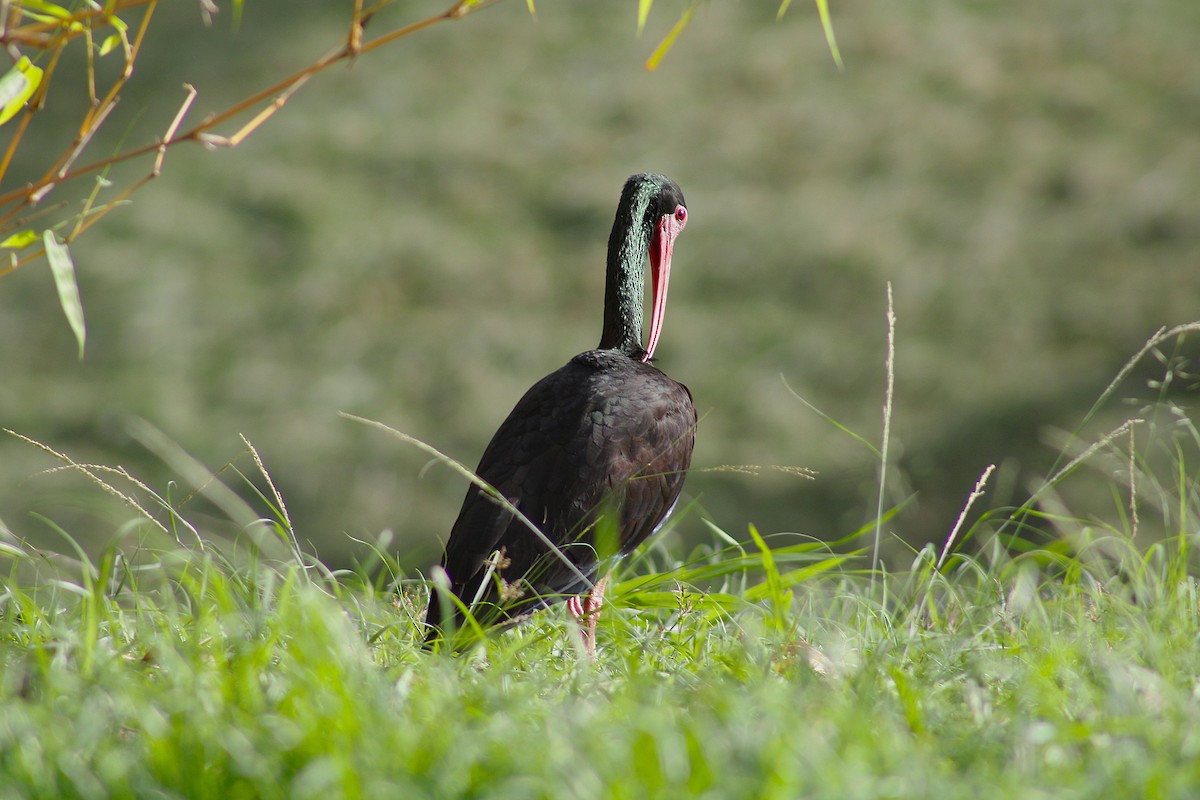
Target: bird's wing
{"x":529,"y":462}
{"x":657,"y":458}
{"x":580,"y":441}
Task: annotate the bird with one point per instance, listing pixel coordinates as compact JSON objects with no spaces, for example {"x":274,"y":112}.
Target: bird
{"x":591,"y":460}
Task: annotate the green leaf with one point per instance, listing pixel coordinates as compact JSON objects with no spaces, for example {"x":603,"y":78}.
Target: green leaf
{"x":110,"y":43}
{"x":51,"y":13}
{"x":17,"y":86}
{"x":826,"y":25}
{"x":772,"y":589}
{"x":874,"y":450}
{"x":775,"y":592}
{"x":20,"y":239}
{"x":643,"y":14}
{"x":661,"y":51}
{"x":121,"y":37}
{"x":64,"y":280}
{"x":52,"y":9}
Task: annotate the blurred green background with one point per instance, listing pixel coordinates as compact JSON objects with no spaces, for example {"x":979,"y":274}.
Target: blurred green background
{"x":420,"y":236}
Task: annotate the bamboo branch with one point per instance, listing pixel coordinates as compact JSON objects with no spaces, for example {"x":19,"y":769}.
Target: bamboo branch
{"x":57,"y":33}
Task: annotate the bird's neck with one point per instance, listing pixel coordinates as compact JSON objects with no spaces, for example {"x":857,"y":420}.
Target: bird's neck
{"x":628,"y":246}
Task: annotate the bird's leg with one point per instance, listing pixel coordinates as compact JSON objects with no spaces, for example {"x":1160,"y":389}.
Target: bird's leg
{"x":586,"y":609}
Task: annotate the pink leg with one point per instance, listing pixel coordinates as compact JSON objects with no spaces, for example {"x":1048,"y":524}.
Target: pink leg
{"x":586,"y":609}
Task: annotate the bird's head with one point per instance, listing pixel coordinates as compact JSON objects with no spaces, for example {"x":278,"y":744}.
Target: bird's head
{"x":650,"y":215}
{"x":670,"y":217}
{"x":665,"y":216}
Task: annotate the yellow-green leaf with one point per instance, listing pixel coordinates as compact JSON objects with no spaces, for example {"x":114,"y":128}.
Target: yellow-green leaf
{"x":826,"y":26}
{"x":74,"y":26}
{"x":43,"y":11}
{"x":17,"y":86}
{"x":665,"y":45}
{"x":643,"y":14}
{"x":64,"y":280}
{"x":20,"y":239}
{"x":52,"y":9}
{"x":110,"y":43}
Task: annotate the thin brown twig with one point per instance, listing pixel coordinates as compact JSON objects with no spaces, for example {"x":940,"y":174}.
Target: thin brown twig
{"x":61,"y":172}
{"x":69,"y":27}
{"x":88,"y":217}
{"x":85,"y":136}
{"x":16,"y":263}
{"x":88,"y":220}
{"x":37,"y":103}
{"x":282,"y":90}
{"x":91,"y":65}
{"x":13,"y":143}
{"x":102,"y":108}
{"x":257,"y":120}
{"x":356,"y":28}
{"x":174,"y":126}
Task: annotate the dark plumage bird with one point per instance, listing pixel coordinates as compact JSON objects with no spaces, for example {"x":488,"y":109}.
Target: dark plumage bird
{"x":594,"y":455}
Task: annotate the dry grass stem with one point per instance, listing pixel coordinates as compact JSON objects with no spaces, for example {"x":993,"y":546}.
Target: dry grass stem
{"x":490,"y":490}
{"x":758,"y":469}
{"x":1133,"y":508}
{"x":88,"y":472}
{"x":976,"y":493}
{"x":887,"y":426}
{"x":1092,"y":449}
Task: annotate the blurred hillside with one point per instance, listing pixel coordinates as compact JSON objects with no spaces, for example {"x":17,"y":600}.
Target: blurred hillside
{"x":419,"y":237}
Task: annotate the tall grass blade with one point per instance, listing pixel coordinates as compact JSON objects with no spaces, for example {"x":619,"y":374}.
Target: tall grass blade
{"x":775,"y":593}
{"x":196,"y":473}
{"x":483,"y":485}
{"x":839,"y":426}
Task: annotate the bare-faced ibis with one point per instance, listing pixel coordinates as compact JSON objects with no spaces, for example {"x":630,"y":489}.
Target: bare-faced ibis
{"x":594,"y":455}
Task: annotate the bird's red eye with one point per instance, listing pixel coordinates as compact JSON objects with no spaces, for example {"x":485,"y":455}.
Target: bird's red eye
{"x":681,"y":213}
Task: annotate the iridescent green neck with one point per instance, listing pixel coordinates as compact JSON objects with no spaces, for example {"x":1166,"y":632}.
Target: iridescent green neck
{"x":628,"y":247}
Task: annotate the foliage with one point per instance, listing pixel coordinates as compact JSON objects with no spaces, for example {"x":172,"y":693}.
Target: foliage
{"x":183,"y":675}
{"x":48,"y":29}
{"x":1048,"y":650}
{"x":1058,"y":661}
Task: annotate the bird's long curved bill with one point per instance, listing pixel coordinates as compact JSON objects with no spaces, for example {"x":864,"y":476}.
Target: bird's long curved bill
{"x":661,"y":245}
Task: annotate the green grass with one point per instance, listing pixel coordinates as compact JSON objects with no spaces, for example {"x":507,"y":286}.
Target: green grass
{"x":1052,"y":656}
{"x":1020,"y":172}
